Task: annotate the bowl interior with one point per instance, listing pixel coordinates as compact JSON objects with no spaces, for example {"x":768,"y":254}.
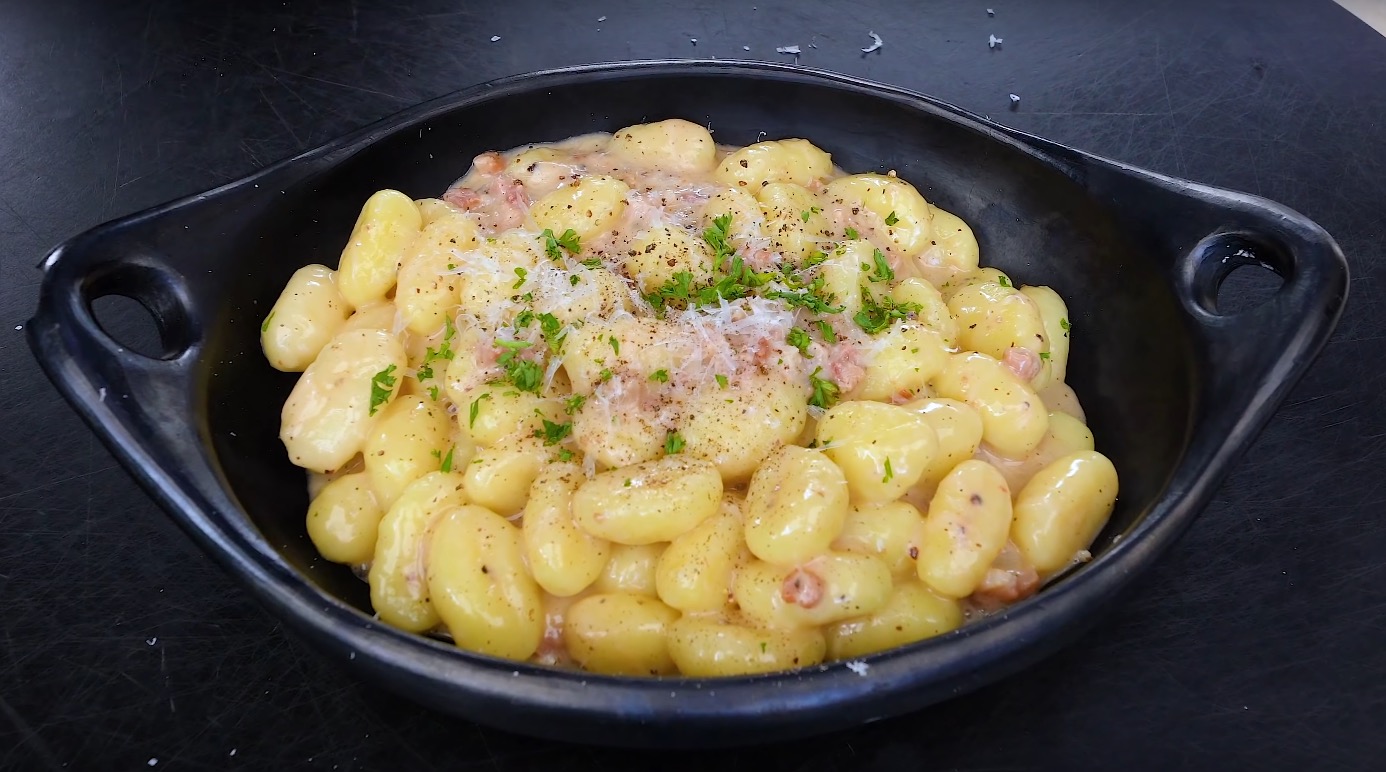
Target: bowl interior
{"x":1131,"y":362}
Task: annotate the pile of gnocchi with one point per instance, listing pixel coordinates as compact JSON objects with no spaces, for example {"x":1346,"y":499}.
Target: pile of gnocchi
{"x":641,"y":404}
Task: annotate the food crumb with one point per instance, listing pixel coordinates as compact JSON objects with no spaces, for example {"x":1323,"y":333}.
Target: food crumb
{"x":788,"y":50}
{"x":494,"y":38}
{"x":876,"y":43}
{"x":991,"y":12}
{"x":232,"y":753}
{"x":152,"y":761}
{"x":858,"y":667}
{"x":18,"y":327}
{"x":1015,"y":100}
{"x":151,"y":641}
{"x":101,"y":393}
{"x":601,"y":18}
{"x":993,"y":41}
{"x":694,"y":41}
{"x":745,"y":48}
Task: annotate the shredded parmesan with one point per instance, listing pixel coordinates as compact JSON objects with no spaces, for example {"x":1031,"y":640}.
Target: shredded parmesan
{"x":876,"y":43}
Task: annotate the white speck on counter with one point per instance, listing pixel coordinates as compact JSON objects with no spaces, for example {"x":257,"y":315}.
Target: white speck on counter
{"x":152,"y":762}
{"x":991,"y":12}
{"x":601,"y":18}
{"x":788,"y":50}
{"x":876,"y":43}
{"x":993,"y":41}
{"x":1015,"y":99}
{"x":232,"y":753}
{"x":694,"y":41}
{"x":18,"y":327}
{"x":151,"y":641}
{"x":494,"y":38}
{"x":858,"y":667}
{"x":101,"y":393}
{"x":351,"y":655}
{"x":745,"y":48}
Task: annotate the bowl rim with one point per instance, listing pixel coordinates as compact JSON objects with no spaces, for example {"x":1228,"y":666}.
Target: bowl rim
{"x":911,"y":676}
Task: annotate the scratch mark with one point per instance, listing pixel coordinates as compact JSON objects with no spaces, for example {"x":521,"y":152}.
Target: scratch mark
{"x":30,"y":736}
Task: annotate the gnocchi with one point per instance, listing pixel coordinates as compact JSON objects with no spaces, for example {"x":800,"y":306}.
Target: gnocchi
{"x":646,"y":405}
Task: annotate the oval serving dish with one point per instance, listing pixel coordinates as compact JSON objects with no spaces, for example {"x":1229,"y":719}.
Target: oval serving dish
{"x":1174,"y":390}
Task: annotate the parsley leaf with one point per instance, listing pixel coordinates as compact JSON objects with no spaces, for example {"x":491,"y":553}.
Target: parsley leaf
{"x":673,"y":443}
{"x":433,"y":392}
{"x":574,"y":403}
{"x":661,"y":376}
{"x":382,"y":383}
{"x":593,"y":262}
{"x":264,"y":326}
{"x":716,"y":237}
{"x":825,"y":392}
{"x":1003,"y":281}
{"x":799,"y":338}
{"x":566,"y":455}
{"x":883,"y":270}
{"x":549,"y":327}
{"x":475,"y":409}
{"x":721,"y":380}
{"x":889,"y":473}
{"x":523,"y":373}
{"x":444,"y":351}
{"x":852,"y":234}
{"x":605,"y":375}
{"x":520,"y":272}
{"x":446,"y":465}
{"x":552,"y":433}
{"x":1064,"y":325}
{"x":810,"y":298}
{"x":891,"y":219}
{"x":875,"y":316}
{"x":568,"y":241}
{"x":573,"y":280}
{"x":825,"y":328}
{"x":615,"y":344}
{"x":524,"y":319}
{"x":1044,"y":355}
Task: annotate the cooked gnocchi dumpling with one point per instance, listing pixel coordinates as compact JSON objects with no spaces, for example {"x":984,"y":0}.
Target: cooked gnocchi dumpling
{"x":646,"y":405}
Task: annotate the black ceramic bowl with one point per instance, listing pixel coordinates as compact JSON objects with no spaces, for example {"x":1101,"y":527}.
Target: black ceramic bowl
{"x":1174,"y":389}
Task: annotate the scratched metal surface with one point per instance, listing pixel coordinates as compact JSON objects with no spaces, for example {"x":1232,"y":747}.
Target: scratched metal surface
{"x":1258,"y":643}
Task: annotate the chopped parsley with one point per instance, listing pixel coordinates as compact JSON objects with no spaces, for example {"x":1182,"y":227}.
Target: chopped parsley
{"x":605,"y":375}
{"x":721,"y":380}
{"x":475,"y":409}
{"x":811,"y":211}
{"x":551,"y":328}
{"x":716,"y":237}
{"x":524,"y":319}
{"x":883,"y":271}
{"x":1063,"y":324}
{"x":573,"y":279}
{"x":661,"y":376}
{"x":889,"y":473}
{"x":446,"y":464}
{"x":574,"y":403}
{"x":875,"y":315}
{"x":1044,"y":355}
{"x":810,"y":298}
{"x":524,"y":374}
{"x":852,"y":234}
{"x":825,"y":328}
{"x":799,"y":338}
{"x":552,"y":433}
{"x":568,"y":241}
{"x":615,"y":344}
{"x":443,"y":352}
{"x":1003,"y":281}
{"x":673,"y":443}
{"x":566,"y":455}
{"x":891,"y":219}
{"x":520,"y":272}
{"x":264,"y":326}
{"x":382,"y":384}
{"x":593,"y":262}
{"x":825,"y":392}
{"x":433,"y":392}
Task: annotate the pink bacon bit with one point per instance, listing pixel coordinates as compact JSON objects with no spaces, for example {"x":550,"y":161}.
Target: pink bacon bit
{"x":846,"y":368}
{"x":465,"y":199}
{"x":1010,"y":578}
{"x":1023,"y":362}
{"x":488,"y":163}
{"x":803,"y":588}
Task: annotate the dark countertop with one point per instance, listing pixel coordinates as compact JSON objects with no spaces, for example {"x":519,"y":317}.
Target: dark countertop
{"x":1258,"y":643}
